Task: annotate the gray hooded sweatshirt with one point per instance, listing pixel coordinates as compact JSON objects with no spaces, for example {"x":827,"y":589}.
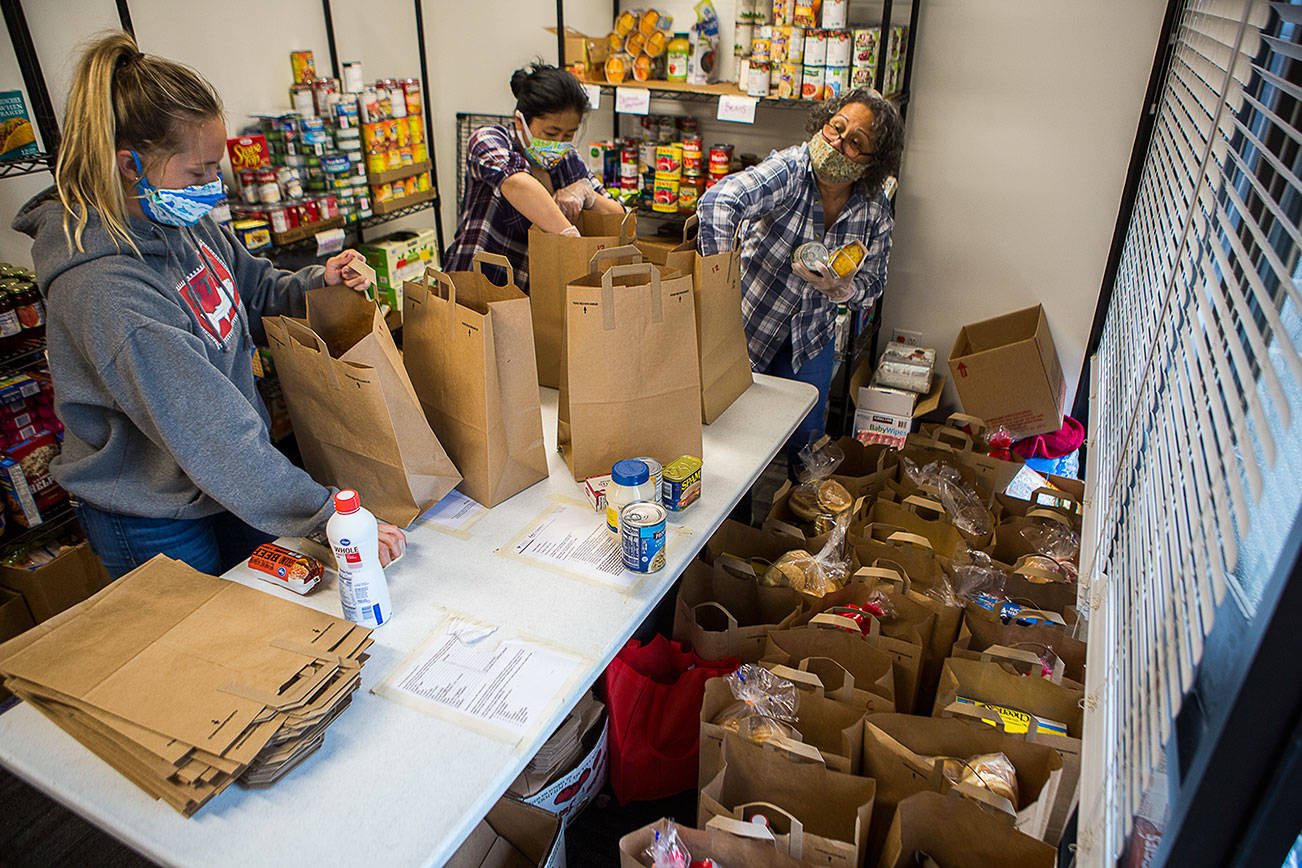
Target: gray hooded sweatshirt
{"x":153,"y":378}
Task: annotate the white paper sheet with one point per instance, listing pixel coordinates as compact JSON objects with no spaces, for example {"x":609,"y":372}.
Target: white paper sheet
{"x":509,"y":684}
{"x":573,"y":538}
{"x":454,"y":512}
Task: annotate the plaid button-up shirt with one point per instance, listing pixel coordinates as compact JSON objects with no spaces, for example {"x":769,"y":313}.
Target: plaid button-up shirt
{"x":775,"y":207}
{"x":490,"y":223}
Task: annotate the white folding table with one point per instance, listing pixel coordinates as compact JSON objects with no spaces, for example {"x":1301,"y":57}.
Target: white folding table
{"x":393,"y":785}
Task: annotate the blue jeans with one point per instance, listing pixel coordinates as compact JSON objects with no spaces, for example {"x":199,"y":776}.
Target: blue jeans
{"x":211,"y":545}
{"x":818,"y":373}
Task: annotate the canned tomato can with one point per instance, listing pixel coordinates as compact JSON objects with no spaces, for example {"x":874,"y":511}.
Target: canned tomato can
{"x":669,"y":160}
{"x":811,"y":82}
{"x":692,"y":152}
{"x":866,"y":38}
{"x":757,"y":82}
{"x":664,"y":194}
{"x":720,"y":159}
{"x":682,"y":483}
{"x":862,"y":76}
{"x":642,"y":533}
{"x":838,"y":47}
{"x":815,"y":48}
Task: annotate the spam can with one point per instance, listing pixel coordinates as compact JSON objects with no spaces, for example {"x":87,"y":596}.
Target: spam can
{"x":682,"y":483}
{"x":642,"y":535}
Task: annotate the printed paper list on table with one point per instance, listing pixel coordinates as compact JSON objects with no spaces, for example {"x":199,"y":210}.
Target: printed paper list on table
{"x":574,"y":538}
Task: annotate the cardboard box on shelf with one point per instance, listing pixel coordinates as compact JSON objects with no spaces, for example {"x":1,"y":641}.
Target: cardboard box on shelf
{"x":397,"y":257}
{"x":581,"y":48}
{"x":1007,"y":372}
{"x":513,"y":835}
{"x":73,"y":576}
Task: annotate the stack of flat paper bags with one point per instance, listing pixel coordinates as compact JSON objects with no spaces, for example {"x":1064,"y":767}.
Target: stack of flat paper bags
{"x":184,"y":682}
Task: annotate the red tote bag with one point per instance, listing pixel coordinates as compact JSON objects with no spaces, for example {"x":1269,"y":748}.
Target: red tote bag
{"x":654,"y":694}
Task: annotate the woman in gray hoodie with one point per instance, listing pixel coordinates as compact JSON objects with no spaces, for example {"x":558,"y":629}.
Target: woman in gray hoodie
{"x":153,"y":310}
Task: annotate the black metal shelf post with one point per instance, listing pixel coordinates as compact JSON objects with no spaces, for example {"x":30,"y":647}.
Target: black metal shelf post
{"x":34,"y":82}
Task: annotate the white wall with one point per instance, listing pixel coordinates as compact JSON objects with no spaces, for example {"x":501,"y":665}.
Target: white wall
{"x":1019,"y":135}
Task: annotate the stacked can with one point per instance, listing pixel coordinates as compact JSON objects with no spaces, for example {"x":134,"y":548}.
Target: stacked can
{"x":836,"y":78}
{"x":720,"y":164}
{"x":814,"y":64}
{"x":629,"y":177}
{"x":669,"y":175}
{"x":866,"y":43}
{"x":692,"y":184}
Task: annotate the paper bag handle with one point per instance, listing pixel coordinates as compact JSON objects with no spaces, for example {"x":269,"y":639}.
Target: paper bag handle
{"x":1023,"y":568}
{"x":915,"y":503}
{"x":1050,"y":515}
{"x":830,"y":619}
{"x":777,"y":525}
{"x":618,"y":252}
{"x":844,"y":693}
{"x":476,"y":263}
{"x":608,"y":290}
{"x":627,"y":233}
{"x":961,"y":441}
{"x":1019,"y":655}
{"x":732,"y":622}
{"x":959,"y":420}
{"x":974,"y":712}
{"x":897,"y":578}
{"x":303,"y":335}
{"x":903,"y":536}
{"x":802,"y":679}
{"x":798,"y":749}
{"x":741,"y":829}
{"x":1052,"y":617}
{"x":796,"y":838}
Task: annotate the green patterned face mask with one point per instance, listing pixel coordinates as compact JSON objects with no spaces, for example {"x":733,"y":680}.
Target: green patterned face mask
{"x":830,"y":165}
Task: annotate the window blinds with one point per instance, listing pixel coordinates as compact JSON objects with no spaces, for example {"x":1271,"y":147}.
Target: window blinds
{"x":1195,"y":385}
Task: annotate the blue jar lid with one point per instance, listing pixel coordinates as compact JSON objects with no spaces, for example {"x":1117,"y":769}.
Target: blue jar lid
{"x":630,"y":471}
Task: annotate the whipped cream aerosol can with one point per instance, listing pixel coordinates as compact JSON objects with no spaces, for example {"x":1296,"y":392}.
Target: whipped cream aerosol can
{"x":354,"y":537}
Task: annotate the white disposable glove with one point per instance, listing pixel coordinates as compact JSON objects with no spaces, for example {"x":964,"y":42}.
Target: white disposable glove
{"x":837,"y":289}
{"x":572,"y":200}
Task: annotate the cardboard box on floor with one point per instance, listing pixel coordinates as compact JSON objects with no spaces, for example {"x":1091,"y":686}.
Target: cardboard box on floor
{"x":570,"y":769}
{"x":513,"y":835}
{"x":73,"y":576}
{"x":1006,"y":370}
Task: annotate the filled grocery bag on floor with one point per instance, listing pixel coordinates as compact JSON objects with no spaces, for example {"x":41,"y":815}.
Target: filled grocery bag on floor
{"x":653,"y":694}
{"x":356,"y":417}
{"x":629,"y":380}
{"x":468,"y":347}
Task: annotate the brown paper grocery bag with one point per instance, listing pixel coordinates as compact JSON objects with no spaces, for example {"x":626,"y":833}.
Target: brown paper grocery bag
{"x":468,"y":347}
{"x":901,"y":752}
{"x":988,"y":682}
{"x":356,"y":416}
{"x":955,"y":831}
{"x":839,"y":659}
{"x":983,"y":629}
{"x":554,"y":261}
{"x":720,"y":335}
{"x":727,"y":842}
{"x":720,"y":614}
{"x":629,"y":383}
{"x":820,"y":815}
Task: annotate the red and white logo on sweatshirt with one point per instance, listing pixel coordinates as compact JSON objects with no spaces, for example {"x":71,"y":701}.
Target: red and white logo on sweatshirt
{"x":211,"y":295}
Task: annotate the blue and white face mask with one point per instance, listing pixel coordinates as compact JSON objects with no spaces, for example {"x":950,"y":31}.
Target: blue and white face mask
{"x":184,"y":207}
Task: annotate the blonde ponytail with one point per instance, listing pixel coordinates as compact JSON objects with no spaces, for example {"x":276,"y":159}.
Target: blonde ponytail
{"x":121,"y":98}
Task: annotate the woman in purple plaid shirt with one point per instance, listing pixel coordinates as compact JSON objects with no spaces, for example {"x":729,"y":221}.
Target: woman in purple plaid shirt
{"x":828,"y":190}
{"x":527,"y":174}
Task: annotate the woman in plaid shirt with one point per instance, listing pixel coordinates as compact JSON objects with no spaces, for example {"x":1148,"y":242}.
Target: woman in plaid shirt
{"x":829,"y":190}
{"x":526,"y":174}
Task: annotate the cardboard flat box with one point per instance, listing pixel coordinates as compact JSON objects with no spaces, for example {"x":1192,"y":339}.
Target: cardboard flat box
{"x":513,"y":835}
{"x":1007,"y":372}
{"x":397,"y":257}
{"x":581,"y":48}
{"x":75,"y":575}
{"x":15,"y":620}
{"x":578,"y":771}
